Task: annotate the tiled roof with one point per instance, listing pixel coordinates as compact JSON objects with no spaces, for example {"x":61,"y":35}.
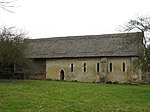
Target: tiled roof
{"x":84,"y":46}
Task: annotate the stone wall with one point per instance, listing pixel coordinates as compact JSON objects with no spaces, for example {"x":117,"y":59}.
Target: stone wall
{"x":37,"y":70}
{"x":85,"y":69}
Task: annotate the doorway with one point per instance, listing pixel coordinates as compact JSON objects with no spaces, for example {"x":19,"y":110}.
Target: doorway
{"x":61,"y":75}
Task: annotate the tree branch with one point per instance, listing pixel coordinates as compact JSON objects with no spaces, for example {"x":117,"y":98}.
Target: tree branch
{"x":6,"y":5}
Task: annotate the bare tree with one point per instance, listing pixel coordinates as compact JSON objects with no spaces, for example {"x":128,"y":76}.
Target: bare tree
{"x":7,"y":5}
{"x":141,"y":24}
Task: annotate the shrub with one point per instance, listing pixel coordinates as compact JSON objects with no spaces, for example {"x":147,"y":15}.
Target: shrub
{"x":108,"y":82}
{"x":116,"y":82}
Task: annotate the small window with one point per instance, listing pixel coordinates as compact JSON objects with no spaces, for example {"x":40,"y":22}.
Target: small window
{"x":97,"y":67}
{"x":123,"y":67}
{"x":84,"y":67}
{"x":71,"y":67}
{"x":110,"y":67}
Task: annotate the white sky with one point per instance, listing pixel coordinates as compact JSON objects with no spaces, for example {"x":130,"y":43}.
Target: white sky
{"x":53,"y":18}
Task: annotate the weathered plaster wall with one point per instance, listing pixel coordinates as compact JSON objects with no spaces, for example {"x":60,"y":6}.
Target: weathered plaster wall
{"x":117,"y":73}
{"x":54,"y":67}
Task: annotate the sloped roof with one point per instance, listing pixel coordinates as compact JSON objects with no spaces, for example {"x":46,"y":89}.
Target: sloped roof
{"x":83,"y":46}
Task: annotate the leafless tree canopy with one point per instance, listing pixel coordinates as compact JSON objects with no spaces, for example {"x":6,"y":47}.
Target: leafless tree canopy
{"x":7,"y":5}
{"x":141,"y":24}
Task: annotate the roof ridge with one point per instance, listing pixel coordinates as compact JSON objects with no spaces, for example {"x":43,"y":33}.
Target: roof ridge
{"x":85,"y":36}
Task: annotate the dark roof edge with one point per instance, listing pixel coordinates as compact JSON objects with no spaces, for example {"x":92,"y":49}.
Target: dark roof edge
{"x":85,"y":57}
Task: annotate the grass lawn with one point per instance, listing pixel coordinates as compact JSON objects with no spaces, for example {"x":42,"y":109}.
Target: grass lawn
{"x":53,"y":96}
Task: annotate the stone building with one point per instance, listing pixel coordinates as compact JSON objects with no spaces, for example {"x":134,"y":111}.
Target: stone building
{"x":91,"y":58}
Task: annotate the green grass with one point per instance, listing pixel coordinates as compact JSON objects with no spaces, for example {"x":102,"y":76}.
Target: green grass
{"x":51,"y":96}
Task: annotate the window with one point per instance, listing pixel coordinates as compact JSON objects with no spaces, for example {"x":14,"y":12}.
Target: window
{"x":123,"y":67}
{"x":71,"y":67}
{"x":97,"y":67}
{"x":110,"y":67}
{"x":84,"y":67}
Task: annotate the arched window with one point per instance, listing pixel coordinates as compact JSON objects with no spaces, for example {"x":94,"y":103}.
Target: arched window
{"x":71,"y":67}
{"x":110,"y":67}
{"x":123,"y":67}
{"x":84,"y":67}
{"x":97,"y":67}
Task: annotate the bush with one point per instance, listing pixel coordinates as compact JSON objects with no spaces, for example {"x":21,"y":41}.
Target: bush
{"x":116,"y":82}
{"x":108,"y":82}
{"x":49,"y":79}
{"x":74,"y":81}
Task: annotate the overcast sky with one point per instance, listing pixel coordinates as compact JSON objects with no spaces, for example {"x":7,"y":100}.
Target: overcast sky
{"x":53,"y":18}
